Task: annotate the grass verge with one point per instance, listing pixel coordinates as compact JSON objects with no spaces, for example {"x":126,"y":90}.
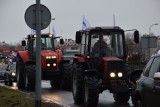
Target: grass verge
{"x":14,"y":98}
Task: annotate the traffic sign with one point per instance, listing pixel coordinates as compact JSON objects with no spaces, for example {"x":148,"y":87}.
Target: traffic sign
{"x":30,"y":16}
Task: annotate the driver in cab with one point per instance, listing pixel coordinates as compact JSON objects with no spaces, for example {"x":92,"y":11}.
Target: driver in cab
{"x":101,"y":48}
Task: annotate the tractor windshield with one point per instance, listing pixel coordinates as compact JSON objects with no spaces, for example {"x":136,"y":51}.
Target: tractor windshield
{"x":107,"y":44}
{"x":46,"y":43}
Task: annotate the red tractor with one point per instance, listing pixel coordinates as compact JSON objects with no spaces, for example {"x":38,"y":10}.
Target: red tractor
{"x":53,"y":67}
{"x":95,"y":71}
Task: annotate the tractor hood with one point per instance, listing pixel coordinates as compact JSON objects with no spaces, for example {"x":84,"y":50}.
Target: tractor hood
{"x":112,"y":65}
{"x":46,"y":53}
{"x":50,"y":57}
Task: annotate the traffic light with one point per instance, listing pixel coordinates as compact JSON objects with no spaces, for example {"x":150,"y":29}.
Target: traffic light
{"x":136,"y":36}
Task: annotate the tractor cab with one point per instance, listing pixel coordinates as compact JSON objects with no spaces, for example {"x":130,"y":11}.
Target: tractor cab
{"x":47,"y":44}
{"x":102,"y":42}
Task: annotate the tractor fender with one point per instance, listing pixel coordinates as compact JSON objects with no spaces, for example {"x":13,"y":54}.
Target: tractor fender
{"x":91,"y":73}
{"x":24,"y":55}
{"x":79,"y":59}
{"x":30,"y":62}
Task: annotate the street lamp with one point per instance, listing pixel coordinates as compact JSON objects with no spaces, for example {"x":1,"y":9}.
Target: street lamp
{"x":50,"y":23}
{"x":151,"y":27}
{"x":149,"y":39}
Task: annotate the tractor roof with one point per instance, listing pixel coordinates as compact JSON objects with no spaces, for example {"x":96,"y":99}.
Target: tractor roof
{"x":42,"y":35}
{"x":103,"y":28}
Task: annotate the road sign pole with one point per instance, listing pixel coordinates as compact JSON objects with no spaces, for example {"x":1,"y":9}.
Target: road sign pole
{"x":34,"y":21}
{"x":38,"y":55}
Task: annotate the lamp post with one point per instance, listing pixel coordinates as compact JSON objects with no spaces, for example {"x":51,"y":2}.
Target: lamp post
{"x":50,"y":24}
{"x":149,"y":37}
{"x":151,"y":27}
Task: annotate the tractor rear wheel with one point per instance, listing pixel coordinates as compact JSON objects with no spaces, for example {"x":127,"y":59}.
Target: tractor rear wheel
{"x":67,"y":76}
{"x":30,"y":77}
{"x":19,"y":73}
{"x":121,"y":97}
{"x":78,"y":83}
{"x":91,"y":91}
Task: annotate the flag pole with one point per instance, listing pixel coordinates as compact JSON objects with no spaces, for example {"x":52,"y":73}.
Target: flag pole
{"x":114,"y":20}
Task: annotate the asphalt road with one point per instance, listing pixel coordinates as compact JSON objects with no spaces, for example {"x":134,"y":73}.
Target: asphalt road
{"x":65,"y":97}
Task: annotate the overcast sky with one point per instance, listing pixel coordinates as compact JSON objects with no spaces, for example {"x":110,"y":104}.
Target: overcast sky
{"x":68,"y":14}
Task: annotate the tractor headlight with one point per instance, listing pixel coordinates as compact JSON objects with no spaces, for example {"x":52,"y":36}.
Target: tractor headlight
{"x":112,"y":74}
{"x":48,"y":65}
{"x":120,"y":74}
{"x":48,"y":57}
{"x":54,"y":57}
{"x":50,"y":35}
{"x":13,"y":74}
{"x":54,"y":64}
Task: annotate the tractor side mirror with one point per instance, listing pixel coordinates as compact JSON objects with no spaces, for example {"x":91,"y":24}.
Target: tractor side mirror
{"x":61,"y":41}
{"x":136,"y":36}
{"x":78,"y":37}
{"x":23,"y":43}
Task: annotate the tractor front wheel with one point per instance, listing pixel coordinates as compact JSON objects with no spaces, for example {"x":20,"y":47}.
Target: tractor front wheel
{"x":66,"y":76}
{"x":20,"y":73}
{"x":6,"y":79}
{"x":121,"y":97}
{"x":55,"y":83}
{"x":91,"y":91}
{"x":30,"y":76}
{"x":78,"y":83}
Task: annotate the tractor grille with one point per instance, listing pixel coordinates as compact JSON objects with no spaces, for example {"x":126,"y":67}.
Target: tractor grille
{"x":112,"y":68}
{"x":116,"y":66}
{"x":52,"y":63}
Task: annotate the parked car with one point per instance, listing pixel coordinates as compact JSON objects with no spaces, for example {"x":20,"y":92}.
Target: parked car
{"x":147,"y":92}
{"x":2,"y":70}
{"x":10,"y":74}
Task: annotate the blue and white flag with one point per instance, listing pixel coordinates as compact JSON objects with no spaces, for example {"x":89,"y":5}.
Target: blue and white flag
{"x":13,"y":53}
{"x":33,"y":32}
{"x":85,"y":23}
{"x":54,"y":32}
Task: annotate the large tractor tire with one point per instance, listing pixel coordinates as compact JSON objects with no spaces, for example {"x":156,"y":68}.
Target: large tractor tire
{"x":30,"y":70}
{"x":66,"y":76}
{"x":78,"y":83}
{"x":55,"y":83}
{"x":121,"y":97}
{"x":20,"y":73}
{"x":91,"y":91}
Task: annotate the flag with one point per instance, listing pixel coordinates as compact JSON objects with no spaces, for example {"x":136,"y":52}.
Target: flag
{"x":13,"y":53}
{"x":54,"y":32}
{"x":33,"y":32}
{"x":85,"y":23}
